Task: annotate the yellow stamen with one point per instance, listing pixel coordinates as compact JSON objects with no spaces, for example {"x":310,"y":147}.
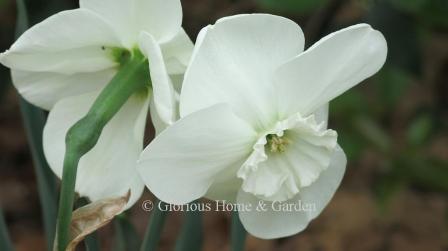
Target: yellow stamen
{"x":276,"y":144}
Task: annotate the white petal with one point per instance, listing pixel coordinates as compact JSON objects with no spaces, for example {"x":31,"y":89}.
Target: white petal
{"x":163,"y":90}
{"x":280,"y":175}
{"x":321,"y":115}
{"x":161,"y":18}
{"x":273,"y":179}
{"x":330,"y":67}
{"x":182,"y":162}
{"x":68,"y":42}
{"x":268,"y":223}
{"x":310,"y":154}
{"x":177,"y":80}
{"x":44,"y":89}
{"x":157,"y":122}
{"x":177,"y":53}
{"x":274,"y":223}
{"x":321,"y":191}
{"x":109,"y":169}
{"x":226,"y":185}
{"x":234,"y":62}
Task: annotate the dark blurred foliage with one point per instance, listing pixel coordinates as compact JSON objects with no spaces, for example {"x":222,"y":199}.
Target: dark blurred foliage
{"x":393,"y":127}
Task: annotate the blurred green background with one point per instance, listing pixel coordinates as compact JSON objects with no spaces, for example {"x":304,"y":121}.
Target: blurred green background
{"x":393,"y":127}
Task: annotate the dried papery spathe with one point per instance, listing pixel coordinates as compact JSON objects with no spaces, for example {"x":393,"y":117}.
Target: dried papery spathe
{"x":91,"y":217}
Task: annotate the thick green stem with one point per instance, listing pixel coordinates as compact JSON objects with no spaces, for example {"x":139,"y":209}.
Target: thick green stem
{"x":132,"y":77}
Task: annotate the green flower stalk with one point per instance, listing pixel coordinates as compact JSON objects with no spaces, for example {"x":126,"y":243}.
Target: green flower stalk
{"x":91,"y":67}
{"x":132,"y":79}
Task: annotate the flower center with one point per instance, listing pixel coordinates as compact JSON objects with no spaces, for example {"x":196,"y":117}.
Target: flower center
{"x":276,"y":144}
{"x":288,"y":158}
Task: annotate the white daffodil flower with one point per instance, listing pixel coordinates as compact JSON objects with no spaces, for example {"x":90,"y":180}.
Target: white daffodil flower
{"x":63,"y":63}
{"x":253,"y":119}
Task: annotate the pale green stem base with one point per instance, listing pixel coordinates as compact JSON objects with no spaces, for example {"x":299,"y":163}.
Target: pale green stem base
{"x":132,"y":77}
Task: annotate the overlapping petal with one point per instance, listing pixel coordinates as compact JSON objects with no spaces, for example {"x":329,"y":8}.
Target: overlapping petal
{"x":157,"y":122}
{"x":234,"y":62}
{"x":275,"y":222}
{"x":62,"y":64}
{"x":330,"y":67}
{"x":226,"y":185}
{"x":280,"y":175}
{"x":320,"y":192}
{"x":68,"y":42}
{"x":177,"y":53}
{"x":164,"y":96}
{"x":321,"y":115}
{"x":181,"y":163}
{"x":161,"y":18}
{"x":44,"y":89}
{"x":267,"y":223}
{"x":108,"y":170}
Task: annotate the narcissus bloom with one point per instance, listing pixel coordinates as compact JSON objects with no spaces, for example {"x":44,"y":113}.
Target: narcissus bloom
{"x":62,"y":64}
{"x":253,"y":124}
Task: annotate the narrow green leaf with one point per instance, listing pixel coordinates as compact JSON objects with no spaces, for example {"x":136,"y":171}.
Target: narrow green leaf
{"x":126,"y":237}
{"x":154,"y":230}
{"x":119,"y":241}
{"x":34,"y":121}
{"x":5,"y":241}
{"x":92,"y":243}
{"x":22,"y":18}
{"x":238,"y":233}
{"x":373,"y":133}
{"x":190,"y":238}
{"x":420,"y":130}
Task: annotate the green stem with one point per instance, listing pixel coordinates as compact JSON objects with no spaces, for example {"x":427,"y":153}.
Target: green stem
{"x":132,"y":77}
{"x":238,"y":233}
{"x":154,"y":230}
{"x":190,"y":238}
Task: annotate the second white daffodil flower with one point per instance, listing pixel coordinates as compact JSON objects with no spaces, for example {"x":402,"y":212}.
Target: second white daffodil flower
{"x":253,"y":119}
{"x":63,"y":63}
